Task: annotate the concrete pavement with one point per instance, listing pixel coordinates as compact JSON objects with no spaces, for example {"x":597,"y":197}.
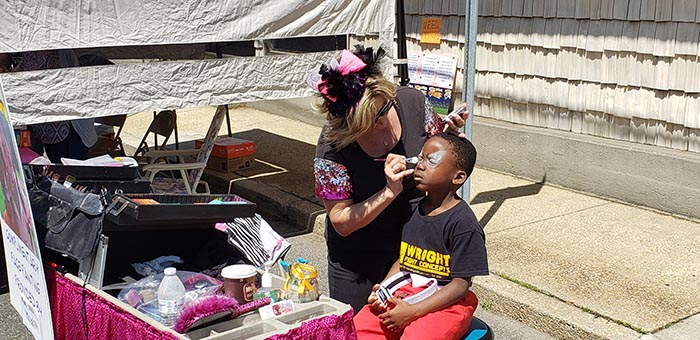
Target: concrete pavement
{"x":569,"y":264}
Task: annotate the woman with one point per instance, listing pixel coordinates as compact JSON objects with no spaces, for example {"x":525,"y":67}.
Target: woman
{"x":368,"y":118}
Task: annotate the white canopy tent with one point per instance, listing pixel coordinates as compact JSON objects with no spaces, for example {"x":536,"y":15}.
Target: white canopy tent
{"x":82,"y":92}
{"x":73,"y":93}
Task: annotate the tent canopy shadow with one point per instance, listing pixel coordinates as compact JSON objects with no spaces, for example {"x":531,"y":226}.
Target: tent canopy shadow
{"x":498,"y":197}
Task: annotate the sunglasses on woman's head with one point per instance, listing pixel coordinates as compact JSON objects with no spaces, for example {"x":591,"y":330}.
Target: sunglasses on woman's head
{"x":384,"y":109}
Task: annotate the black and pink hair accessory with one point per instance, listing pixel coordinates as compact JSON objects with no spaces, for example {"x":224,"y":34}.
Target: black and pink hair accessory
{"x":342,"y":83}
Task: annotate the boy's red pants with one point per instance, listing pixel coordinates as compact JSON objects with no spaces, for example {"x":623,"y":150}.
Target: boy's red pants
{"x":449,"y":323}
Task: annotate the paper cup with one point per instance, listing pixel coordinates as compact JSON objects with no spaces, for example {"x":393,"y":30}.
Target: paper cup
{"x":239,"y":282}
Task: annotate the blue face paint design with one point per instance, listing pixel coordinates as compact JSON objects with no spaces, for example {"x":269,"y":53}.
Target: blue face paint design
{"x":433,"y":159}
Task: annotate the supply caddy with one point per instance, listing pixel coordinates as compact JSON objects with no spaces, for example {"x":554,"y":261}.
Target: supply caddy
{"x":165,"y":210}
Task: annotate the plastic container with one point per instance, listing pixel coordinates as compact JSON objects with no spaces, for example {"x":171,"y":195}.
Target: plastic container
{"x":249,"y":326}
{"x":171,"y":297}
{"x":302,"y":285}
{"x":143,"y":294}
{"x":239,"y":282}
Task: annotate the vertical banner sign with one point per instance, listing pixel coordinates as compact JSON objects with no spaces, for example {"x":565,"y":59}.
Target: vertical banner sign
{"x":434,"y":75}
{"x":430,"y":31}
{"x":25,"y":273}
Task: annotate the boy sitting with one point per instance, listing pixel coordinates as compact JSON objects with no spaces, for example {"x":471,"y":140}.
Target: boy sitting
{"x":442,"y":248}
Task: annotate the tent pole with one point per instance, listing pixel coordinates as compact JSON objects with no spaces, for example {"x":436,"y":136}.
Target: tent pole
{"x":220,"y":54}
{"x":469,"y":70}
{"x":402,"y":63}
{"x":228,"y":122}
{"x":217,"y":48}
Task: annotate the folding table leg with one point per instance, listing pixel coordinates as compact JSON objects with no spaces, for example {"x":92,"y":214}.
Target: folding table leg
{"x":95,"y":267}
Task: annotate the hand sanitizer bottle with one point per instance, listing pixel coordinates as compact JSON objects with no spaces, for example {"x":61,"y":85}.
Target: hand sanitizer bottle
{"x":266,"y":285}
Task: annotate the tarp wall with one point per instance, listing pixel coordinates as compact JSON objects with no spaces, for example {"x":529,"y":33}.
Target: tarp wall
{"x":57,"y":24}
{"x":70,"y":93}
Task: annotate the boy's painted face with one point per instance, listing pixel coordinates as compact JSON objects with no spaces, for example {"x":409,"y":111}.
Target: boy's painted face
{"x":433,"y":159}
{"x":436,"y":165}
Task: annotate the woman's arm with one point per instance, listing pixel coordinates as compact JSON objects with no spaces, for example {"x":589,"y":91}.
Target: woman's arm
{"x":453,"y":123}
{"x":348,"y":216}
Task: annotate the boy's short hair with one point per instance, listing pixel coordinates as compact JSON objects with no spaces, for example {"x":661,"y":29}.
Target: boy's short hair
{"x":463,"y":150}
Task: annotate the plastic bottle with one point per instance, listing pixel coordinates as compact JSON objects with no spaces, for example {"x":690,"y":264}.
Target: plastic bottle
{"x":171,"y":297}
{"x":266,"y":285}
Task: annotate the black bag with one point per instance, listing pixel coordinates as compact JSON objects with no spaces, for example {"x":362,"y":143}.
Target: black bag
{"x":73,"y":219}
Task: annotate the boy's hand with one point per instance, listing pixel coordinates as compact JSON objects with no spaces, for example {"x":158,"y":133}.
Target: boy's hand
{"x":400,"y":316}
{"x":374,"y":303}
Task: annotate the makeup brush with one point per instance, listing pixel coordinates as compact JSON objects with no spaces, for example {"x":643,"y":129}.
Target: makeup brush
{"x":409,"y":160}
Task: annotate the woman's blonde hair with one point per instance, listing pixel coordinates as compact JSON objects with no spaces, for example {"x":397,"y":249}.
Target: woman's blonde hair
{"x":347,"y":129}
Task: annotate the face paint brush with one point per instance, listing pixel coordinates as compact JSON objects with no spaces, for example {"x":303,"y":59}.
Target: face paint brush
{"x":409,"y":160}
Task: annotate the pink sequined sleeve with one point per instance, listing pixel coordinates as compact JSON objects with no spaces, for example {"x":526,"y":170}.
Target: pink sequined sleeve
{"x":332,"y":180}
{"x":433,"y":121}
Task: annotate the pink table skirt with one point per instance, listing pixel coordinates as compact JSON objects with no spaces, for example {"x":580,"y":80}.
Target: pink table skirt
{"x":331,"y":327}
{"x":100,"y":319}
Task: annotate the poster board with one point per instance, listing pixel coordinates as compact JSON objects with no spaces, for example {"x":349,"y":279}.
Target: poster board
{"x":25,"y":272}
{"x":434,"y":75}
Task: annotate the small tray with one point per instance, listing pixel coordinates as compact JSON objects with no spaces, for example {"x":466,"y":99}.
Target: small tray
{"x":136,"y":186}
{"x":170,"y":210}
{"x":88,"y":172}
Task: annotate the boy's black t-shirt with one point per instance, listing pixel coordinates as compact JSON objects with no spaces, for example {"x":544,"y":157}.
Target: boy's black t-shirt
{"x":449,"y":245}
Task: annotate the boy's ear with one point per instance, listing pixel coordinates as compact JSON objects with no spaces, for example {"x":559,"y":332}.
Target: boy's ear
{"x":459,"y":178}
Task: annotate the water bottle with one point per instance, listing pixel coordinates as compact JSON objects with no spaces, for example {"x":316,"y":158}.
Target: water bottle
{"x":171,"y":297}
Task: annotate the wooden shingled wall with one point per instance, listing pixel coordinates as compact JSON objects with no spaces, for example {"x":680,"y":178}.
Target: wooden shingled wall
{"x":622,"y":69}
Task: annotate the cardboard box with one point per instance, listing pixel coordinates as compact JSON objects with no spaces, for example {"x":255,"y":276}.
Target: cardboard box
{"x":24,"y":138}
{"x":230,"y":164}
{"x":229,"y":147}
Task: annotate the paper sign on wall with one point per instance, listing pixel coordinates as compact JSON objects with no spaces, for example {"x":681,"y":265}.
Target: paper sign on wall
{"x":434,"y":75}
{"x":432,"y":69}
{"x":430,"y":31}
{"x":25,"y":272}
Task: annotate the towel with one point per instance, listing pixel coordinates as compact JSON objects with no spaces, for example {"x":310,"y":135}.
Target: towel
{"x":256,"y":239}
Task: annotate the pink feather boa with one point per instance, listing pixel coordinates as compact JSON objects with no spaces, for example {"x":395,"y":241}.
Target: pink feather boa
{"x":214,"y":304}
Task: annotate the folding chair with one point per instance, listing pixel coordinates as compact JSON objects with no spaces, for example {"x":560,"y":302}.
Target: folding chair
{"x":116,"y":148}
{"x":163,"y":125}
{"x":191,"y":172}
